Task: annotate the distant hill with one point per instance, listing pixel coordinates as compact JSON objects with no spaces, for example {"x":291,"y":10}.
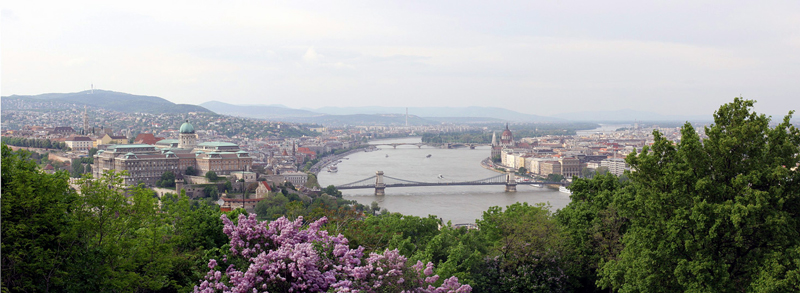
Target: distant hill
{"x":442,"y":112}
{"x":257,"y":111}
{"x":627,"y":115}
{"x":116,"y":101}
{"x":362,"y":119}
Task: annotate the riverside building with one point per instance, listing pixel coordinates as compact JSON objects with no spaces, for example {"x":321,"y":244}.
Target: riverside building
{"x":146,"y":163}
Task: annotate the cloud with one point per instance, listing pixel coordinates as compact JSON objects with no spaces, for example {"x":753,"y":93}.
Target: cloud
{"x":311,"y":56}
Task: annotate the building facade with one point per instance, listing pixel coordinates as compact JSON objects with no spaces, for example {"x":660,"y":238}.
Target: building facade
{"x":146,"y":163}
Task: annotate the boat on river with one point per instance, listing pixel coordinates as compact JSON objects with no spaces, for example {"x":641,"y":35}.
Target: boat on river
{"x":428,"y":156}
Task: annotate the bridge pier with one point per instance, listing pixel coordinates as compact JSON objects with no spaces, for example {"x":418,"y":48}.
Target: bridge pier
{"x":511,"y":182}
{"x":380,"y":187}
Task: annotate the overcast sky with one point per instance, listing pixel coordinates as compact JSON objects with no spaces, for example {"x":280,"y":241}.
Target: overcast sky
{"x":536,"y":57}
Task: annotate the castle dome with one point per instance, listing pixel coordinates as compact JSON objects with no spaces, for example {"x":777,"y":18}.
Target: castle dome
{"x":187,"y":128}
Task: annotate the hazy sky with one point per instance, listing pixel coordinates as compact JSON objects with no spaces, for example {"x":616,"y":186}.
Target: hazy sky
{"x":537,"y":57}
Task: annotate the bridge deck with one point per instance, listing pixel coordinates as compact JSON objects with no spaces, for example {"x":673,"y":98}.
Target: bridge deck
{"x":421,"y":184}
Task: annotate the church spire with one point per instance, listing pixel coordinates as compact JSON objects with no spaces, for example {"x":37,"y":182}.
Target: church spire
{"x":494,"y":138}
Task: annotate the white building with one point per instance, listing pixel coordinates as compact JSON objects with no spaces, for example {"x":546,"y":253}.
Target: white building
{"x":615,"y":166}
{"x":296,"y":178}
{"x":79,"y":143}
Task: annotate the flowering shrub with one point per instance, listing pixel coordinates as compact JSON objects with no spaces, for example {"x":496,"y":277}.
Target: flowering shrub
{"x":280,"y":257}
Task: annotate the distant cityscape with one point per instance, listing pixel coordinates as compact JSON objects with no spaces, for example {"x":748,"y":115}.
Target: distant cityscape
{"x":147,"y":145}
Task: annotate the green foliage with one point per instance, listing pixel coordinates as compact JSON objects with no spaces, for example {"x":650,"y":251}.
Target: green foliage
{"x":717,"y":215}
{"x":375,"y":233}
{"x":555,"y":177}
{"x":527,"y":250}
{"x":191,"y":171}
{"x":212,"y":176}
{"x":592,"y":227}
{"x":167,"y":180}
{"x":332,"y":191}
{"x":522,"y":170}
{"x":108,"y":239}
{"x":34,"y":143}
{"x":36,"y":242}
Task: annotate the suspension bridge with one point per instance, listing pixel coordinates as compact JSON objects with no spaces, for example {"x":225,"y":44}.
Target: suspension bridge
{"x":380,"y":182}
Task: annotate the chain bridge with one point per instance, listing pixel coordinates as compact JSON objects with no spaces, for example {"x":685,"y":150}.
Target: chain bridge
{"x":433,"y":144}
{"x":380,"y":182}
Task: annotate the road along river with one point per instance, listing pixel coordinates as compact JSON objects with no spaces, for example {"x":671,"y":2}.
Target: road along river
{"x":459,"y":204}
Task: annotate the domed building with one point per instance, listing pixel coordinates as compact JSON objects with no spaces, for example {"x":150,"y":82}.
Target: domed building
{"x":146,"y":163}
{"x":187,"y":137}
{"x":507,"y":139}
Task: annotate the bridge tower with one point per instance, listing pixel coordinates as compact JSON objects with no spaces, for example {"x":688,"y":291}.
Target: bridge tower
{"x":511,"y":182}
{"x":380,"y":187}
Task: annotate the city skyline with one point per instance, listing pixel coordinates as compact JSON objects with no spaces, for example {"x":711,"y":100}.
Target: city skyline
{"x":681,"y":58}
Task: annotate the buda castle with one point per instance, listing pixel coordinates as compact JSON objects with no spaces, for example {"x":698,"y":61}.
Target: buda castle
{"x":146,"y":163}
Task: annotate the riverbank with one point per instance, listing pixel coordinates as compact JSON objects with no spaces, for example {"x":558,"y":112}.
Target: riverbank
{"x":327,"y":160}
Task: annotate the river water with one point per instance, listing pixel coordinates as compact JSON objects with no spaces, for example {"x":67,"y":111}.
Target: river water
{"x":459,"y":204}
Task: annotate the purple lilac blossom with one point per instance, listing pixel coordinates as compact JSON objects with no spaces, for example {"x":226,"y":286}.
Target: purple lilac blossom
{"x":282,"y":257}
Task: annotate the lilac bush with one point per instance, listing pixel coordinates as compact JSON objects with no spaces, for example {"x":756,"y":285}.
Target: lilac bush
{"x":281,"y":257}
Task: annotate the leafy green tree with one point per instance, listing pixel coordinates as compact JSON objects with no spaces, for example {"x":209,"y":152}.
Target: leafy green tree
{"x":212,"y":176}
{"x":526,"y":252}
{"x":92,"y":152}
{"x":714,"y":215}
{"x":191,"y":171}
{"x":121,"y":238}
{"x":592,"y":227}
{"x":272,"y":207}
{"x":522,"y":170}
{"x":332,"y":191}
{"x":228,"y":186}
{"x":375,"y":233}
{"x":167,"y":180}
{"x":555,"y":177}
{"x":77,"y":169}
{"x":36,"y":242}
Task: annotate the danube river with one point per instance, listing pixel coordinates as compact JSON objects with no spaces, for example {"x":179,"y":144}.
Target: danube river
{"x":459,"y":204}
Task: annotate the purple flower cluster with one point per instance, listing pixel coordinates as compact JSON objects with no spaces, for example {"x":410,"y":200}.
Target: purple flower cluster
{"x":281,"y":257}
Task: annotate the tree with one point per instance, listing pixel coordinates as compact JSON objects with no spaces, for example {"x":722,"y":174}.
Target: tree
{"x":77,"y":168}
{"x":522,"y":171}
{"x":167,"y":180}
{"x":592,"y":227}
{"x":191,"y":171}
{"x":36,"y":242}
{"x":555,"y":177}
{"x":212,"y":176}
{"x":719,"y":214}
{"x":121,"y":238}
{"x":332,"y":191}
{"x":526,"y":252}
{"x":92,"y":152}
{"x":280,"y":257}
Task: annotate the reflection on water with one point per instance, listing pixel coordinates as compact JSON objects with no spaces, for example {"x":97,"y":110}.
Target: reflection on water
{"x":460,"y":204}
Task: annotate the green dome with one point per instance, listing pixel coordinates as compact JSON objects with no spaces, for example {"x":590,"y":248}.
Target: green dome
{"x":187,"y":128}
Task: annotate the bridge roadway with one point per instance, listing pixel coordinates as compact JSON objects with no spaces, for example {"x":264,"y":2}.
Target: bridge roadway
{"x":424,"y":184}
{"x":420,"y":144}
